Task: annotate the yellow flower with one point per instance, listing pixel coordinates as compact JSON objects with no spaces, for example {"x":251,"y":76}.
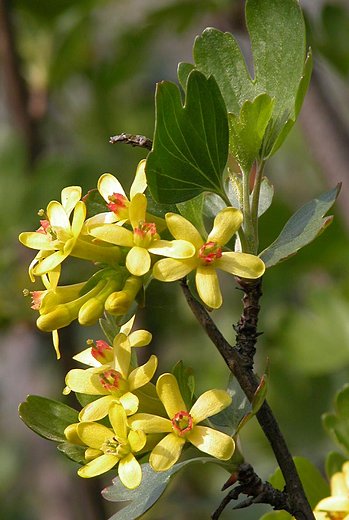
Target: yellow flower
{"x":143,"y":240}
{"x":336,"y":507}
{"x":107,"y":447}
{"x":114,"y":195}
{"x":114,"y":381}
{"x":182,"y":426}
{"x":209,"y":256}
{"x":57,"y":237}
{"x":100,"y":353}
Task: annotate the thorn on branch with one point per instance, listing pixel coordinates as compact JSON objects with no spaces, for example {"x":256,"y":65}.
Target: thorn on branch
{"x":134,"y":140}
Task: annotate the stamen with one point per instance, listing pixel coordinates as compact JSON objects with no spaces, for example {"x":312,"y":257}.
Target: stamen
{"x":209,"y":252}
{"x":182,"y":423}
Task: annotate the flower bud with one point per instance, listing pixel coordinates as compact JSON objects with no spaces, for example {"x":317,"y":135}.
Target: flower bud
{"x":71,"y":434}
{"x":119,"y":302}
{"x":59,"y":317}
{"x":91,"y":311}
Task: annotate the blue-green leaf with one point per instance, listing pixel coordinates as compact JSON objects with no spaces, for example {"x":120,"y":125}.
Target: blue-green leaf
{"x":301,"y":229}
{"x":190,"y":147}
{"x":46,"y":417}
{"x":152,"y":487}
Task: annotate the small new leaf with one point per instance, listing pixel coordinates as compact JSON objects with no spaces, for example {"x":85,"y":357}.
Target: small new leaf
{"x":248,"y":129}
{"x":190,"y":146}
{"x":301,"y":229}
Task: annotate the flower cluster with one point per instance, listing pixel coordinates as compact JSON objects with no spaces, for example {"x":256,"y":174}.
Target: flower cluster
{"x":124,"y":243}
{"x":153,"y":421}
{"x":124,"y":416}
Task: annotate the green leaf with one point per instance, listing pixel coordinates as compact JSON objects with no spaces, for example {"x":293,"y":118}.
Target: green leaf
{"x":315,"y":486}
{"x":219,"y":54}
{"x":46,"y":417}
{"x":183,"y":71}
{"x":190,"y":146}
{"x":229,"y":419}
{"x":334,"y":463}
{"x":152,"y":487}
{"x":301,"y":229}
{"x":247,"y":130}
{"x":192,"y":210}
{"x":186,"y":382}
{"x":337,"y":424}
{"x":277,"y":34}
{"x":73,"y":452}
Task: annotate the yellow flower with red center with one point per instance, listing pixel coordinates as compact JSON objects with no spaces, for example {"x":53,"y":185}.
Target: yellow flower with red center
{"x":113,"y":379}
{"x":115,"y":197}
{"x":182,"y":425}
{"x":58,"y":237}
{"x":208,"y":256}
{"x":142,"y":240}
{"x":109,"y":447}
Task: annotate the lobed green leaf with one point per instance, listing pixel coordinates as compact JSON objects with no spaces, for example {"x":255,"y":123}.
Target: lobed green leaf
{"x":190,"y":147}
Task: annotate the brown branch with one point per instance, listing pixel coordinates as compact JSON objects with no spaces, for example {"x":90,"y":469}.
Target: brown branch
{"x":15,"y":86}
{"x":251,"y":484}
{"x":236,"y":362}
{"x":134,"y":140}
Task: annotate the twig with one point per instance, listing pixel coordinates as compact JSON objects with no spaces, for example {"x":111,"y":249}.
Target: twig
{"x":300,"y":507}
{"x":134,"y":140}
{"x":260,"y":493}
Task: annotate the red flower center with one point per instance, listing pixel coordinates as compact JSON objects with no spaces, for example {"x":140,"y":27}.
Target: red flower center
{"x":101,"y":351}
{"x":110,"y":379}
{"x":209,"y":252}
{"x":182,"y":423}
{"x":117,"y":204}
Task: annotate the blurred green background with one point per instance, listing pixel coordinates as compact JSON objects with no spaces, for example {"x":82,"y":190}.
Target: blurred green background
{"x":73,"y":73}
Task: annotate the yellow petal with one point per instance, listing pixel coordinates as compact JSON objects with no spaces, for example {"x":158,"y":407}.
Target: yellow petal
{"x":59,"y":220}
{"x":108,"y":185}
{"x":207,"y":285}
{"x":166,"y":453}
{"x":171,"y":269}
{"x":78,"y":218}
{"x":113,"y":234}
{"x":211,"y":441}
{"x":140,"y":338}
{"x":241,"y":264}
{"x":130,"y":403}
{"x":140,"y":182}
{"x":173,"y":248}
{"x":149,"y":423}
{"x":226,"y":223}
{"x":50,"y":262}
{"x":339,"y":485}
{"x":85,"y":382}
{"x":170,"y":395}
{"x":140,"y":376}
{"x":92,"y":453}
{"x":126,"y":327}
{"x":85,"y":357}
{"x":208,"y":404}
{"x":334,"y":504}
{"x":122,"y":354}
{"x":107,"y":217}
{"x":69,"y":197}
{"x":130,"y":471}
{"x":117,"y":417}
{"x":181,"y":228}
{"x":36,"y":240}
{"x":137,"y":209}
{"x":98,"y":466}
{"x":93,"y":434}
{"x":97,"y":409}
{"x":138,"y":261}
{"x":137,"y":440}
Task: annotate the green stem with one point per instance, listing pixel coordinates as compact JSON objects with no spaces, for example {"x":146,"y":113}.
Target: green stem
{"x":255,"y":200}
{"x":248,"y":228}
